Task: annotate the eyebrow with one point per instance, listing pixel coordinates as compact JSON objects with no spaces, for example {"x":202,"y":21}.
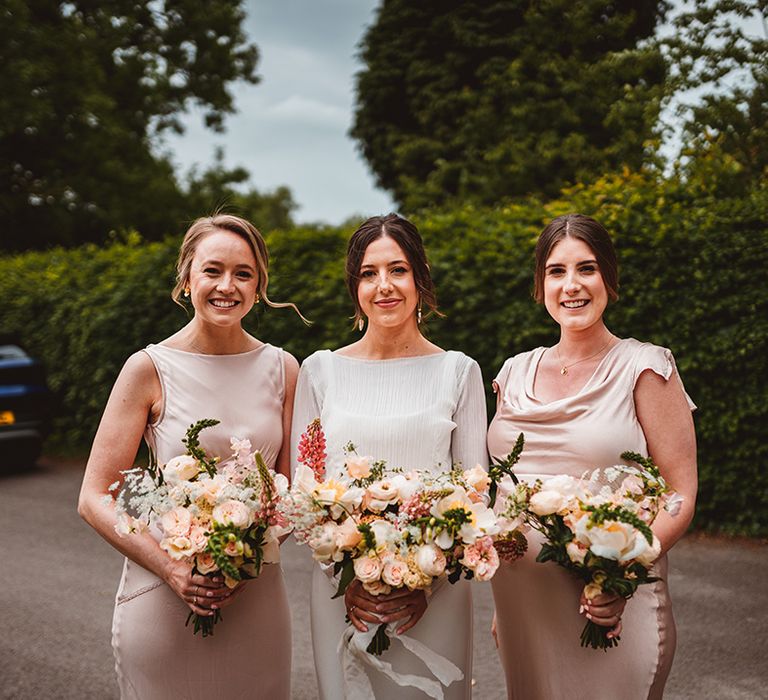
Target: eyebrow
{"x":392,"y":262}
{"x":218,"y":262}
{"x":581,"y":262}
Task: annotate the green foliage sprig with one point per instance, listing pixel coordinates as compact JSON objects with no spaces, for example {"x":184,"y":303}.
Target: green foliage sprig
{"x":500,"y":468}
{"x":192,"y":443}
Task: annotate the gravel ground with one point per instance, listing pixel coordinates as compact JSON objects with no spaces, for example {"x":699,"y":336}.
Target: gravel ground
{"x":60,"y":581}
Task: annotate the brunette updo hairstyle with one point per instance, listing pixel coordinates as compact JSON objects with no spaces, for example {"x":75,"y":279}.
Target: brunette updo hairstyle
{"x":586,"y":229}
{"x":407,"y":236}
{"x":240,"y":227}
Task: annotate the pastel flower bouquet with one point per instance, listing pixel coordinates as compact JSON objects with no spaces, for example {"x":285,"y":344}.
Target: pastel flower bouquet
{"x":391,"y":528}
{"x":221,"y":517}
{"x":597,"y":527}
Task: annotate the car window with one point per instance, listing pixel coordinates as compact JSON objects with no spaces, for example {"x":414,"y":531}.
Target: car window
{"x":12,"y":352}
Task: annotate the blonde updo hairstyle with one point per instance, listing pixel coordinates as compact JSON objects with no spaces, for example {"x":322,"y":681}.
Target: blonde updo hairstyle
{"x":240,"y":227}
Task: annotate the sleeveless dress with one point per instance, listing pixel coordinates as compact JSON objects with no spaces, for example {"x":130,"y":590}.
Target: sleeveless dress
{"x":420,"y":412}
{"x":538,"y":623}
{"x":249,"y":654}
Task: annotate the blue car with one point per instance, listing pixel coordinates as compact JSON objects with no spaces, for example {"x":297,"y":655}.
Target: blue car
{"x":25,"y":405}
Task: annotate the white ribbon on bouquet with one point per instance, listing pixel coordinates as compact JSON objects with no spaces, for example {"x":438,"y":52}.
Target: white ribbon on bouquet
{"x":354,"y":658}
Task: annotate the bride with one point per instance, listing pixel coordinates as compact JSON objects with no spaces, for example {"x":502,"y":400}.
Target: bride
{"x":398,"y":397}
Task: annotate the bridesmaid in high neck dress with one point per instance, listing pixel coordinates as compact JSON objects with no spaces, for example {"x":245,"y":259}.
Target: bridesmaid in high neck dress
{"x":211,"y":368}
{"x":400,"y":398}
{"x":580,"y":404}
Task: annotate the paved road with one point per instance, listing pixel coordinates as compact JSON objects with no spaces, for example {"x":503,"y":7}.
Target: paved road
{"x":58,"y":581}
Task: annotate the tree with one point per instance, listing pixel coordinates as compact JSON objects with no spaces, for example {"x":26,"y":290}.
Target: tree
{"x":215,"y":189}
{"x":86,"y":90}
{"x":485,"y":100}
{"x":718,"y":93}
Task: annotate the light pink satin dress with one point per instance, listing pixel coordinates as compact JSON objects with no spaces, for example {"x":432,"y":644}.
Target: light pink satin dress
{"x":249,"y":654}
{"x":537,"y":605}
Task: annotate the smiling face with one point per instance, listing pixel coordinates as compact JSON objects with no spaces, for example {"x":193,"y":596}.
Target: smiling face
{"x":223,"y":278}
{"x":574,"y":292}
{"x":387,"y":291}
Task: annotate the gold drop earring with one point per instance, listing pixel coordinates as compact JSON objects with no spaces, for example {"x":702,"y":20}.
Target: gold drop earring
{"x":360,"y":324}
{"x":186,"y":292}
{"x":418,"y":312}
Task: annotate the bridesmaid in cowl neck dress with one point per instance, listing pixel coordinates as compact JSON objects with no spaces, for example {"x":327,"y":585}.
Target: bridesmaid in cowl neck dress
{"x":581,"y":403}
{"x":211,"y":368}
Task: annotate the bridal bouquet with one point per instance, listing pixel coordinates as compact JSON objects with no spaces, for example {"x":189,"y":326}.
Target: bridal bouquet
{"x":391,"y":528}
{"x":598,"y":527}
{"x":220,"y":517}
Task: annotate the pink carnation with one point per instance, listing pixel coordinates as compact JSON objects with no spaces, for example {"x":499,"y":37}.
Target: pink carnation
{"x":482,"y":558}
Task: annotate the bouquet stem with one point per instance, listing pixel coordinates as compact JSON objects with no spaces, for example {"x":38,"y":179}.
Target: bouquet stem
{"x":596,"y":636}
{"x":203,"y":623}
{"x":380,"y":642}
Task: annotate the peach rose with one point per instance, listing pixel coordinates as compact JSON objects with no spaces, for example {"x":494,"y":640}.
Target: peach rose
{"x":178,"y":547}
{"x":377,"y":587}
{"x":176,"y":522}
{"x":347,"y":535}
{"x":367,"y":569}
{"x":232,"y":513}
{"x":358,"y":467}
{"x":205,"y":563}
{"x":477,"y":478}
{"x":393,"y":572}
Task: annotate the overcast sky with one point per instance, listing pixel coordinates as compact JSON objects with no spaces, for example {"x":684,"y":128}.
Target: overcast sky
{"x":291,"y":128}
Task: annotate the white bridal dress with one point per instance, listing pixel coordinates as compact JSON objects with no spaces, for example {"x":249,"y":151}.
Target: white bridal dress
{"x":420,"y":412}
{"x":249,"y":654}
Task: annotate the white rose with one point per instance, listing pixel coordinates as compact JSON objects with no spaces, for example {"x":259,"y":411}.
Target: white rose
{"x":547,"y":502}
{"x":380,"y":494}
{"x":407,"y":484}
{"x":651,"y":554}
{"x":612,"y":540}
{"x":367,"y":569}
{"x":181,"y":468}
{"x":673,"y":502}
{"x":304,"y":480}
{"x":430,"y":559}
{"x":322,"y":542}
{"x":232,"y":513}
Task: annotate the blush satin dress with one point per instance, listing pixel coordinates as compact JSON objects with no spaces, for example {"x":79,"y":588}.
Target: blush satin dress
{"x":249,"y":654}
{"x":537,"y":605}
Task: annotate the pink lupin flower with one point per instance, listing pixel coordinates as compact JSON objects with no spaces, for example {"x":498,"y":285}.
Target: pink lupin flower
{"x":312,"y":449}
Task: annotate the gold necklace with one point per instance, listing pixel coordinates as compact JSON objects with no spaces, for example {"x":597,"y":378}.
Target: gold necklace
{"x":564,"y":368}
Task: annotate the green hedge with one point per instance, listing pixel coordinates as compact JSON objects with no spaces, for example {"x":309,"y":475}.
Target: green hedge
{"x":692,"y":279}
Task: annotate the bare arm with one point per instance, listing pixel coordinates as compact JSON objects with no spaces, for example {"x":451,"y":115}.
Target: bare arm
{"x":666,"y":420}
{"x":135,"y":398}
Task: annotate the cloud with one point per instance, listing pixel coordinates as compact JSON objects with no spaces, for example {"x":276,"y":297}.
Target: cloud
{"x":305,"y":110}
